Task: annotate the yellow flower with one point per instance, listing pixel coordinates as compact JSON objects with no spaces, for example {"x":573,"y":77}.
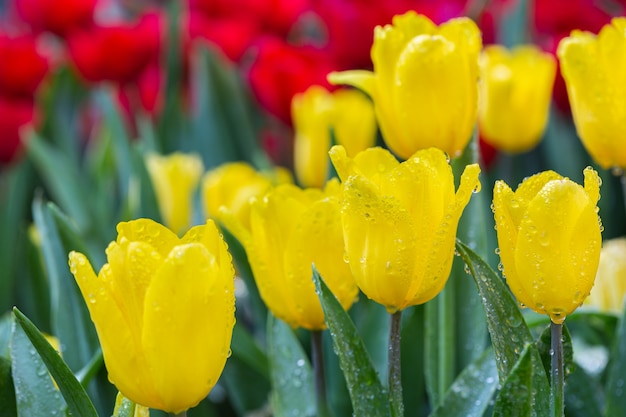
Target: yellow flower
{"x":514,"y":96}
{"x":400,"y":221}
{"x":425,"y":83}
{"x":164,"y":309}
{"x":549,"y":240}
{"x":594,"y":69}
{"x":232,"y":185}
{"x":291,"y":229}
{"x":609,"y":289}
{"x":175,"y":178}
{"x":315,"y":112}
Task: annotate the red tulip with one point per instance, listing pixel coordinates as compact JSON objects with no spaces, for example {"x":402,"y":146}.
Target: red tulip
{"x":231,"y":35}
{"x":22,"y":67}
{"x":118,"y":53}
{"x":14,"y":114}
{"x":57,"y":16}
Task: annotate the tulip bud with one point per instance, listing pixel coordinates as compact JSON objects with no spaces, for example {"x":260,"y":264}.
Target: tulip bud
{"x":609,"y":289}
{"x":350,"y":116}
{"x":593,"y":68}
{"x":399,"y":222}
{"x":549,"y":238}
{"x":424,"y":85}
{"x":514,"y":96}
{"x":164,"y":311}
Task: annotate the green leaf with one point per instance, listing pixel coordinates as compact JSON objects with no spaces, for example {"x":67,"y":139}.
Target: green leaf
{"x":245,"y":397}
{"x":616,"y":385}
{"x":69,"y":316}
{"x":367,"y":394}
{"x":516,"y":397}
{"x":8,"y":408}
{"x":581,"y":394}
{"x":245,"y":348}
{"x":6,"y":322}
{"x":35,"y":393}
{"x":293,"y":392}
{"x":78,"y":403}
{"x":471,"y":392}
{"x":508,"y":330}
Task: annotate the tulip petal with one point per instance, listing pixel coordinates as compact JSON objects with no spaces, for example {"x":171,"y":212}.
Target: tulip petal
{"x":148,"y":231}
{"x":361,"y":79}
{"x":527,"y":191}
{"x":559,"y":238}
{"x":380,"y":242}
{"x":372,"y":162}
{"x":121,"y":347}
{"x":209,"y":236}
{"x":188,"y":325}
{"x":592,"y":184}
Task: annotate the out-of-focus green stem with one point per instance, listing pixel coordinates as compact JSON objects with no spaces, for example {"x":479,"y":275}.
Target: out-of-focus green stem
{"x":395,"y":368}
{"x":318,"y":373}
{"x":558,"y":379}
{"x":181,"y":414}
{"x":623,"y":181}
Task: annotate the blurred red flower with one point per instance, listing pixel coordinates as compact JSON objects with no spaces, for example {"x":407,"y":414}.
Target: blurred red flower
{"x":231,"y":35}
{"x":118,"y":53}
{"x":57,"y":16}
{"x":15,"y":113}
{"x":23,"y":66}
{"x":280,"y":70}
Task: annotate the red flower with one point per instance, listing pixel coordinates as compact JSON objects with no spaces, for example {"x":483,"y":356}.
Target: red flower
{"x":117,"y":53}
{"x":14,"y":114}
{"x":280,"y":71}
{"x":57,"y":16}
{"x":23,"y":67}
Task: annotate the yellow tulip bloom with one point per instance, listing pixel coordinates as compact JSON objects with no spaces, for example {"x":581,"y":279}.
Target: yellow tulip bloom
{"x":594,"y":69}
{"x":609,"y":289}
{"x":175,"y":178}
{"x":315,"y":112}
{"x":232,"y":185}
{"x":549,"y":238}
{"x":515,"y":92}
{"x":164,"y":310}
{"x":399,"y":222}
{"x":291,"y":229}
{"x":425,"y":83}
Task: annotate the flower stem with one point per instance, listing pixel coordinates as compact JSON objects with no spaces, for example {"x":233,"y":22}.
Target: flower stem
{"x":181,"y":414}
{"x":623,"y":181}
{"x":318,"y":372}
{"x":558,"y":379}
{"x":395,"y":369}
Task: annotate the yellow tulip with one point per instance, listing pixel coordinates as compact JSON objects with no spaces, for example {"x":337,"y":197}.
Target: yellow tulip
{"x":399,"y":222}
{"x":515,"y":91}
{"x":233,"y":184}
{"x":549,"y":238}
{"x":175,"y":178}
{"x":315,"y":112}
{"x":609,"y":289}
{"x":164,"y":311}
{"x":594,"y":69}
{"x":425,"y":83}
{"x":291,"y":229}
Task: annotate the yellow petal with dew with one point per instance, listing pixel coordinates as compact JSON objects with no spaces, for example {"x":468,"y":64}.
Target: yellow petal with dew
{"x":148,"y":231}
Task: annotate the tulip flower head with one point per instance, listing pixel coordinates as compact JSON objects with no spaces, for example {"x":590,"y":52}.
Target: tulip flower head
{"x":164,"y":311}
{"x":350,"y":116}
{"x":424,"y":85}
{"x":594,"y":69}
{"x":549,"y":238}
{"x":399,"y":222}
{"x":609,"y":289}
{"x":514,"y":96}
{"x":175,"y":178}
{"x":291,"y":229}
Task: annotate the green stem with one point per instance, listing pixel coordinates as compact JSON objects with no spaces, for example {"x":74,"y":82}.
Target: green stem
{"x":181,"y":414}
{"x":446,"y":341}
{"x":557,"y":381}
{"x":395,"y":368}
{"x":623,"y":181}
{"x":318,"y":373}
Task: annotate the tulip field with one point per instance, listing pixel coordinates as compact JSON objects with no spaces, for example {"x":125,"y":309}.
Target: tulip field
{"x":300,"y":208}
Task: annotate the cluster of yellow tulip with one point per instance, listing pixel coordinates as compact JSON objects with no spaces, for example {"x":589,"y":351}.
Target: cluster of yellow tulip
{"x":387,"y":229}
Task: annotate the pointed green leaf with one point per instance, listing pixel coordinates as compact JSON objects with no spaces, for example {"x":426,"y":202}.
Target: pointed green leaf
{"x":508,"y":330}
{"x":245,"y":348}
{"x":8,"y":408}
{"x":516,"y":397}
{"x":35,"y":392}
{"x":367,"y":394}
{"x":291,"y":375}
{"x":472,"y":391}
{"x":616,"y":386}
{"x":69,"y":316}
{"x":78,"y":403}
